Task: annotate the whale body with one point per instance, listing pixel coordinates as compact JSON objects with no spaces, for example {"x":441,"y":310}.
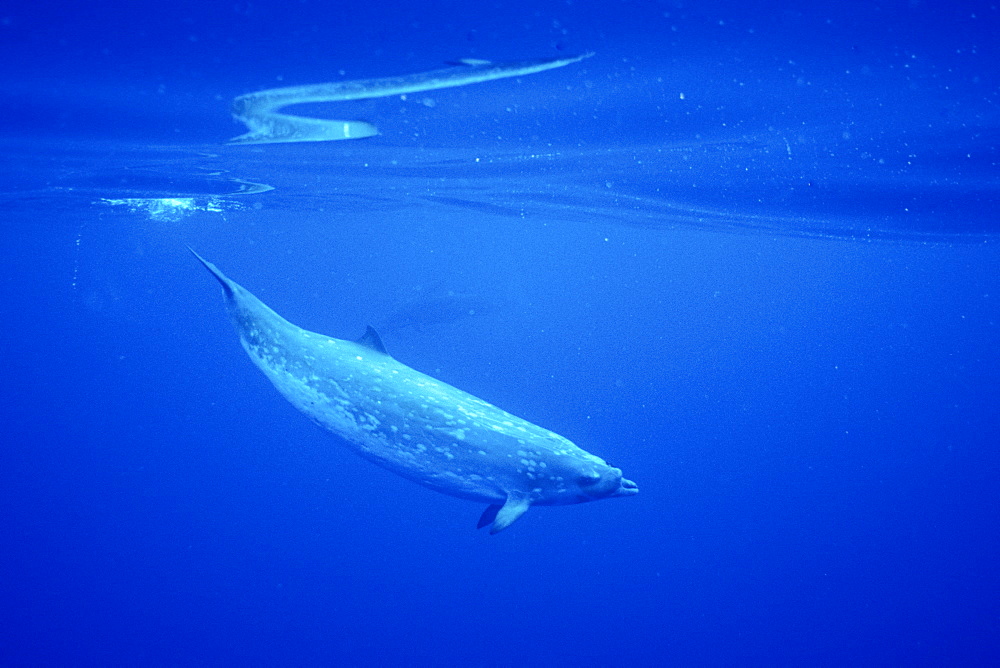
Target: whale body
{"x":418,"y":427}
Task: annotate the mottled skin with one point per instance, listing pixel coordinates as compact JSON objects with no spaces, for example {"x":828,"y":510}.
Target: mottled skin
{"x":414,"y":425}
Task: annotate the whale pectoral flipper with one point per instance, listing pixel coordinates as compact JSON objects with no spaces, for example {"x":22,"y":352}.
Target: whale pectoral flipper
{"x":505,"y":516}
{"x":489,"y":515}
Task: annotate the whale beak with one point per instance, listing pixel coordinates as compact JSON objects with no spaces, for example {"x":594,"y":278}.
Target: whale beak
{"x":627,"y":488}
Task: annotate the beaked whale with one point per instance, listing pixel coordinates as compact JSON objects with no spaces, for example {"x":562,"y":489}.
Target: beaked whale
{"x":416,"y":426}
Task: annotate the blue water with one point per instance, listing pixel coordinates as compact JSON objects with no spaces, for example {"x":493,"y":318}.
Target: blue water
{"x":749,"y":256}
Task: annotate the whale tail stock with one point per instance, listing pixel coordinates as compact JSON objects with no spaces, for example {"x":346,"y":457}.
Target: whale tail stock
{"x":227,"y":285}
{"x":240,"y":299}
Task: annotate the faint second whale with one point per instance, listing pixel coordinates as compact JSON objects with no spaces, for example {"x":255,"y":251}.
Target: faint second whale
{"x":435,"y":306}
{"x":414,"y":425}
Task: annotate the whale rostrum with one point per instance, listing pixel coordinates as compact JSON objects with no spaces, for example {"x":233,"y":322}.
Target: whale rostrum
{"x":418,"y":427}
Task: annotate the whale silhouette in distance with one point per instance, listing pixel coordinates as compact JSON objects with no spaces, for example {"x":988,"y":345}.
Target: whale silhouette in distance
{"x":418,"y":427}
{"x":435,"y":306}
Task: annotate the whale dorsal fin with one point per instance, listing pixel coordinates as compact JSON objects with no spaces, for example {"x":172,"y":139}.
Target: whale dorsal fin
{"x":372,"y":340}
{"x":503,"y":516}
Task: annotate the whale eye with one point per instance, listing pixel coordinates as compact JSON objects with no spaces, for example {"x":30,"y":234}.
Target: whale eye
{"x":587,"y":480}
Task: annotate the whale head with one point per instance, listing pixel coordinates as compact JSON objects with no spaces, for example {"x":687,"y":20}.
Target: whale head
{"x":580,"y":479}
{"x":585,"y":479}
{"x":603,"y":483}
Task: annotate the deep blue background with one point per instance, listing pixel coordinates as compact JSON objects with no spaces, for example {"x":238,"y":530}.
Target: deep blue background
{"x":747,"y":254}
